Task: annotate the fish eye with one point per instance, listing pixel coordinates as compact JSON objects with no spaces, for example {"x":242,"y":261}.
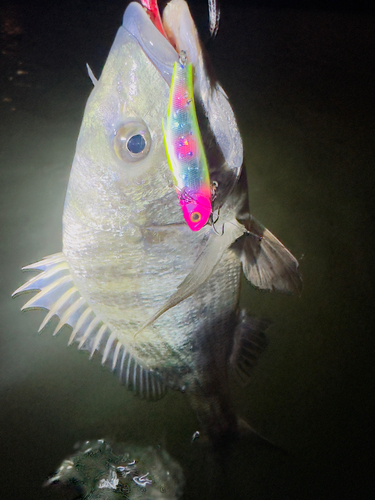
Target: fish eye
{"x":195,"y":217}
{"x":136,"y":144}
{"x":132,"y":141}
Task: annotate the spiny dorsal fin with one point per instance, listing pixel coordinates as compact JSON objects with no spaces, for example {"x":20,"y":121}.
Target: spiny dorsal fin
{"x":249,"y":343}
{"x":59,"y":295}
{"x":202,"y":269}
{"x":147,"y":384}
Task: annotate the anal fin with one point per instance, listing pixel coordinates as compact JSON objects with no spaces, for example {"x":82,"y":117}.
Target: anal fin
{"x":249,"y":343}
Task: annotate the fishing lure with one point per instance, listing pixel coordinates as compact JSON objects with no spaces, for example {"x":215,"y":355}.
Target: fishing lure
{"x":184,"y":148}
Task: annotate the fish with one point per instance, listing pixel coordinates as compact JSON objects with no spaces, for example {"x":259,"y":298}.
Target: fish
{"x":158,"y":301}
{"x":103,"y":469}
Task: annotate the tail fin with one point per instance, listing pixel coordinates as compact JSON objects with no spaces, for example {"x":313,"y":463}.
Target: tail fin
{"x":247,"y":432}
{"x":210,"y":396}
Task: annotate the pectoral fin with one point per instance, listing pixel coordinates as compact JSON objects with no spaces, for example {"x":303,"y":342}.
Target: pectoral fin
{"x":202,"y":270}
{"x":266,"y":262}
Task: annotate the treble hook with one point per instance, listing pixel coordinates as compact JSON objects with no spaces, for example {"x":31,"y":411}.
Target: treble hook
{"x":216,"y":231}
{"x":214,"y":188}
{"x":212,"y":222}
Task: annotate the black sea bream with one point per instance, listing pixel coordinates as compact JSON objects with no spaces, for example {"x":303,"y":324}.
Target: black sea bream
{"x":159,"y":302}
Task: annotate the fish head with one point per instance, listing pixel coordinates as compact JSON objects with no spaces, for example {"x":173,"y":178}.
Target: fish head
{"x":120,"y":166}
{"x":120,"y":172}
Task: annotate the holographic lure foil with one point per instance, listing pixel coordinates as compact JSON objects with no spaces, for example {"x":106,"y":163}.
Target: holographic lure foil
{"x":183,"y":144}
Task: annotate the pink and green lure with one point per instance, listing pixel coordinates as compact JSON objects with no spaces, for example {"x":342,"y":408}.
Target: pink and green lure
{"x":185,"y":152}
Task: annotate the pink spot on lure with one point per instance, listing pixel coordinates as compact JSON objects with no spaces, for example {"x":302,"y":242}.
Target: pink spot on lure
{"x":184,"y":148}
{"x":180,"y":100}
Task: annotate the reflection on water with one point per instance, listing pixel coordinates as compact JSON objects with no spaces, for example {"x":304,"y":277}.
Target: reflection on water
{"x":301,"y":84}
{"x":100,"y":470}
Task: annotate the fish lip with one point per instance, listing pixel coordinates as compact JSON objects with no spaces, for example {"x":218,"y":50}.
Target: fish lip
{"x":156,"y":47}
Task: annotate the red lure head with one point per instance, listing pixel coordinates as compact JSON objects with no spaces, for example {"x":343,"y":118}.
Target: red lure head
{"x":196,"y":208}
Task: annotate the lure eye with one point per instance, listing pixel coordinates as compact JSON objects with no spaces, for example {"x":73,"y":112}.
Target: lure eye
{"x":132,"y":141}
{"x":195,"y":217}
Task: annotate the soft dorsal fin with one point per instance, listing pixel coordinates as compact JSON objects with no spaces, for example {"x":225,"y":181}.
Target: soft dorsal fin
{"x":58,"y":293}
{"x":203,"y":267}
{"x":249,"y":343}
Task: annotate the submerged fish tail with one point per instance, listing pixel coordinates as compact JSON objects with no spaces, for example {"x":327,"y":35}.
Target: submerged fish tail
{"x":209,"y":395}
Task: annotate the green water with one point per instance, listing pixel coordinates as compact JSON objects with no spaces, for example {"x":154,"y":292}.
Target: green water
{"x":301,"y":84}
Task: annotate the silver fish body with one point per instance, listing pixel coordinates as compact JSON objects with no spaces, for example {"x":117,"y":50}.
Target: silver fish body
{"x":159,"y":301}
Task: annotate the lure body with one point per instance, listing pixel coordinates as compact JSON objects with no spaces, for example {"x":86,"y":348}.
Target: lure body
{"x":184,"y":147}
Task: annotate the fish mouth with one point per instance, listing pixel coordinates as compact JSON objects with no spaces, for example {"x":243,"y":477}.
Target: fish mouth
{"x":163,"y":38}
{"x":162,"y":43}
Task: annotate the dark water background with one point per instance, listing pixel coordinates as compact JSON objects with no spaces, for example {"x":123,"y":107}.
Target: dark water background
{"x":302,"y":84}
